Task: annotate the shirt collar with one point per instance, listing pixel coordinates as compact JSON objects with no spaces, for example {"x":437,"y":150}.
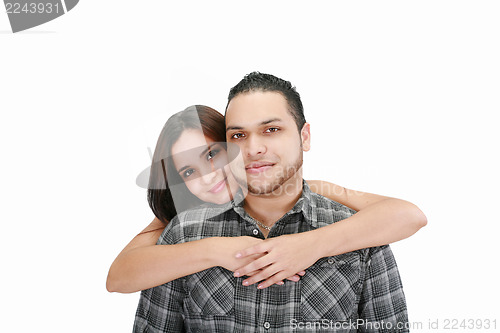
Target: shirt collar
{"x":304,"y":205}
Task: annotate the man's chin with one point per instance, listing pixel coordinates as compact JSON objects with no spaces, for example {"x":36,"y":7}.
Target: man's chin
{"x":262,"y":189}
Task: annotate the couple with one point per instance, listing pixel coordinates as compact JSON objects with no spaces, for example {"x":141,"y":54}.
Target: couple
{"x":211,"y":253}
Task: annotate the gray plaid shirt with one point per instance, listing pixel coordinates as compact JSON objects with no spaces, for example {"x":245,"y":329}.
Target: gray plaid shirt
{"x":355,"y":291}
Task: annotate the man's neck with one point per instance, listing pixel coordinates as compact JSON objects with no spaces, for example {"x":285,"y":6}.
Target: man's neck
{"x":269,"y":208}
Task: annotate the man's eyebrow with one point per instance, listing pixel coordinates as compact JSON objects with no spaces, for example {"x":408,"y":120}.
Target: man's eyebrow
{"x":230,"y":128}
{"x":270,"y":121}
{"x":265,"y":122}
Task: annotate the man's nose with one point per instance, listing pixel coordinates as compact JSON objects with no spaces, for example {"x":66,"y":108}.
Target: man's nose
{"x":255,"y":146}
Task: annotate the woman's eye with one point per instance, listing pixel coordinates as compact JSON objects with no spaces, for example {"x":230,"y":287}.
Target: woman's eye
{"x":211,"y":154}
{"x":187,"y":173}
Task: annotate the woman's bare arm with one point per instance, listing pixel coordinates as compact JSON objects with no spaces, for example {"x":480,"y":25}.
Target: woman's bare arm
{"x":142,"y":264}
{"x":380,"y":220}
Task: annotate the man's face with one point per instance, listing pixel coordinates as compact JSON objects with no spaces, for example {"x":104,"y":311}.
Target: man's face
{"x":261,"y":125}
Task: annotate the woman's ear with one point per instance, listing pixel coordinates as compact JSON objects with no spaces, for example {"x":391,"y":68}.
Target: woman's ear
{"x":305,"y":136}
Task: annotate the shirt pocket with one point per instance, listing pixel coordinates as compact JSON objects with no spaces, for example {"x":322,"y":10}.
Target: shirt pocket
{"x":330,"y":288}
{"x":211,"y":292}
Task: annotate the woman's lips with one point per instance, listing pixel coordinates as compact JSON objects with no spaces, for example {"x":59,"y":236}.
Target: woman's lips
{"x":218,"y":187}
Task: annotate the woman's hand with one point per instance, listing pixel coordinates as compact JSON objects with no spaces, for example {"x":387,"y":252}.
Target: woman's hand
{"x":225,"y":255}
{"x":279,"y":258}
{"x":224,"y":251}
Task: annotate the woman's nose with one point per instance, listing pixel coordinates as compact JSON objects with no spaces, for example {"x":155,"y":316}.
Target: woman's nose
{"x":209,"y":177}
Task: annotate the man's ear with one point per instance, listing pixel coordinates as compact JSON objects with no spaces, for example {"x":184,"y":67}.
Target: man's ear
{"x":305,"y":136}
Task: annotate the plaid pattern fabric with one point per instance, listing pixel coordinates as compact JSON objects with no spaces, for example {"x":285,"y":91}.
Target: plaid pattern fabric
{"x":356,"y":291}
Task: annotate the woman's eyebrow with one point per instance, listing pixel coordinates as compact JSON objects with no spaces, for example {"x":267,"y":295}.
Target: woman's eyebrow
{"x":183,"y":168}
{"x":209,"y":147}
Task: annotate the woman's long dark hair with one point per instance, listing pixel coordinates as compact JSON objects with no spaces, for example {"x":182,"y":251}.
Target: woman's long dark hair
{"x":163,"y":170}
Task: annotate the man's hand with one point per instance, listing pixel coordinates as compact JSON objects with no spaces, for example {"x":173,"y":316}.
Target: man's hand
{"x":278,"y":258}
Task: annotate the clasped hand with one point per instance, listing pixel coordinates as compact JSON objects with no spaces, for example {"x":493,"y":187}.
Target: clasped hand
{"x":271,"y":260}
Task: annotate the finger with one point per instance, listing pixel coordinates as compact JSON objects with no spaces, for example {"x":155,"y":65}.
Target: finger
{"x":294,"y":278}
{"x":301,"y":273}
{"x":253,"y":273}
{"x":275,"y":279}
{"x":253,"y":266}
{"x":256,"y":249}
{"x":262,"y":275}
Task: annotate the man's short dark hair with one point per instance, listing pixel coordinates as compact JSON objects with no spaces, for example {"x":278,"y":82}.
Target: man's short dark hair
{"x":257,"y":81}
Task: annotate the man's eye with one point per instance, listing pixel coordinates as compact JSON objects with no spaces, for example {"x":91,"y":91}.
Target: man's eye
{"x":272,"y":130}
{"x":237,"y":136}
{"x":187,"y":173}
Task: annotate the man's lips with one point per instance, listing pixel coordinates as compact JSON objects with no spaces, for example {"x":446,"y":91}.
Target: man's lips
{"x":258,"y":167}
{"x":218,"y":187}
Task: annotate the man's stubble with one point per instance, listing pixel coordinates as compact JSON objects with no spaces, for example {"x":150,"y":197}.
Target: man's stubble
{"x":276,"y":184}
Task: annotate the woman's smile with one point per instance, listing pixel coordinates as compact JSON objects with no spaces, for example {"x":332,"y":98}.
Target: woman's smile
{"x":218,"y":187}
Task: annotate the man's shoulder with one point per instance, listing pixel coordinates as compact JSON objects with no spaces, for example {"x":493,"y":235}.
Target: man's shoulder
{"x":202,"y":213}
{"x":326,"y":211}
{"x":320,"y":201}
{"x":195,"y":223}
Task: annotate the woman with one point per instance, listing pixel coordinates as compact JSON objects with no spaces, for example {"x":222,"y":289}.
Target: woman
{"x":190,"y":166}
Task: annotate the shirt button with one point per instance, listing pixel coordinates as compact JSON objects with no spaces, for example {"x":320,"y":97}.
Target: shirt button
{"x":255,"y":232}
{"x":331,"y":261}
{"x":267,"y":325}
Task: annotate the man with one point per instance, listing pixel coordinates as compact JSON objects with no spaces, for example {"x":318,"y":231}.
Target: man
{"x":356,"y":291}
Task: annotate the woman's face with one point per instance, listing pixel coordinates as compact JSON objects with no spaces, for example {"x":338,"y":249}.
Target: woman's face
{"x":203,"y":165}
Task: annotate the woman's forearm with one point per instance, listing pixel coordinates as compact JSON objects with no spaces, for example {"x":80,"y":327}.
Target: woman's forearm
{"x":380,"y":220}
{"x":386,"y":221}
{"x":145,"y":267}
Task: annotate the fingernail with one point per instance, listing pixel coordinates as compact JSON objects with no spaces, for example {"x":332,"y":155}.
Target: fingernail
{"x":259,"y":286}
{"x":236,"y":274}
{"x":238,"y":255}
{"x":245,"y":283}
{"x":280,"y":283}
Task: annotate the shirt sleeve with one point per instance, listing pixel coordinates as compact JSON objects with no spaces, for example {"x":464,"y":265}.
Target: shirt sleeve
{"x":382,"y":306}
{"x":160,"y":308}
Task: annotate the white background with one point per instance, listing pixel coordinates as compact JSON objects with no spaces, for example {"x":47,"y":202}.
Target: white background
{"x":401,"y":97}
